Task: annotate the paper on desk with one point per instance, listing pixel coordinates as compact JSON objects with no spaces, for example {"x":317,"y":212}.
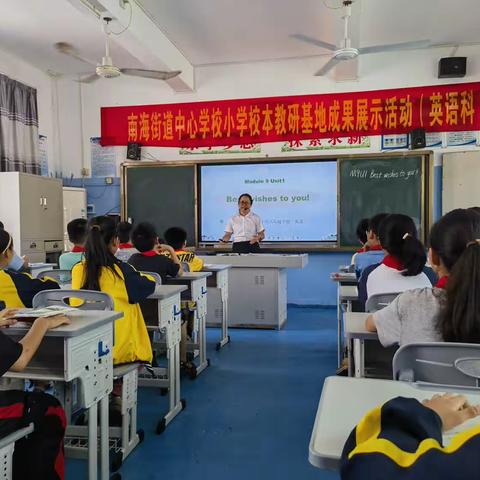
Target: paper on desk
{"x":44,"y":312}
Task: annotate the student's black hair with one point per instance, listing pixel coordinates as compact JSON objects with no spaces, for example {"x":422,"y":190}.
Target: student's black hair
{"x":101,"y":232}
{"x":5,"y":240}
{"x":361,"y":231}
{"x":144,"y":237}
{"x":246,"y":195}
{"x":176,"y":237}
{"x":475,"y":209}
{"x":375,"y":221}
{"x":398,"y":236}
{"x":77,"y":231}
{"x":2,"y":226}
{"x":454,"y":238}
{"x":123,"y":231}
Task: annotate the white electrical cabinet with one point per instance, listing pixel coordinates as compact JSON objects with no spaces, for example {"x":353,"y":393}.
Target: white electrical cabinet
{"x":31,"y":208}
{"x":74,"y":206}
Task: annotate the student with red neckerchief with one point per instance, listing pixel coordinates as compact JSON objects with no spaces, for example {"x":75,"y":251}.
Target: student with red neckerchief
{"x":451,"y":310}
{"x":77,"y":234}
{"x":405,"y":258}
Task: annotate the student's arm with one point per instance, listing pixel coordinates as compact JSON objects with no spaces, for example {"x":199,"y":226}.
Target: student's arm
{"x":390,"y":437}
{"x":27,"y":286}
{"x":171,"y":252}
{"x":31,"y":341}
{"x":138,"y":286}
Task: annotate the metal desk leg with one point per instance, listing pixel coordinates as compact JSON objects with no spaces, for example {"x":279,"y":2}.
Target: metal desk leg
{"x":92,"y":442}
{"x":104,"y":440}
{"x":202,"y":341}
{"x":225,"y":337}
{"x":359,"y":357}
{"x":176,"y":404}
{"x":339,"y":328}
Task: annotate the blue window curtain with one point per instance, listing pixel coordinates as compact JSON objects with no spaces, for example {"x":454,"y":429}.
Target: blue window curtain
{"x":18,"y":127}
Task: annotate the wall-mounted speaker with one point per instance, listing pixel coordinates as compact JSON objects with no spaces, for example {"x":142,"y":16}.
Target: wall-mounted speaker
{"x":417,"y":138}
{"x":452,"y":67}
{"x":133,"y":151}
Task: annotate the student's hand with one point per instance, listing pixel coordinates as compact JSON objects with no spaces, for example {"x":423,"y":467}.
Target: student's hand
{"x":162,"y":248}
{"x":57,"y":320}
{"x":6,"y":317}
{"x":26,"y":261}
{"x":452,"y":409}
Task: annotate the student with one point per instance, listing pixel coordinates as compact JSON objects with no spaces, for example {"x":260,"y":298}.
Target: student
{"x":176,"y":237}
{"x":40,"y":454}
{"x":402,"y":267}
{"x":18,"y":289}
{"x":450,"y":311}
{"x":77,"y":234}
{"x":102,"y":271}
{"x":17,"y":264}
{"x":125,"y":247}
{"x":148,"y":259}
{"x":402,"y":439}
{"x":375,"y":252}
{"x":361,"y":232}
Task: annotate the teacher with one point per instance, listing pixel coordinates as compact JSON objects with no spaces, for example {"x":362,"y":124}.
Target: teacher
{"x":246,"y":227}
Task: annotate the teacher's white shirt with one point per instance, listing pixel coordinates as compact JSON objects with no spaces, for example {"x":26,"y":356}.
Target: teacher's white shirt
{"x":244,"y":227}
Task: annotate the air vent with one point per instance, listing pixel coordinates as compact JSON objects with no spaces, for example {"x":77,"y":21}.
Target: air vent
{"x":259,"y":280}
{"x":260,"y":314}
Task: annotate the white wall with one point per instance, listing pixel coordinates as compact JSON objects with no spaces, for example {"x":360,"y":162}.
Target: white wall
{"x":292,"y":77}
{"x":17,"y":69}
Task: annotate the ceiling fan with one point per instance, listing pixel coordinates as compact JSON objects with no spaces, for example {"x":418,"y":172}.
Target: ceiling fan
{"x":346,"y":51}
{"x":107,"y":69}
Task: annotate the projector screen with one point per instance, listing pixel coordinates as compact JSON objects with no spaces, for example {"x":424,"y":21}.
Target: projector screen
{"x":297,"y":201}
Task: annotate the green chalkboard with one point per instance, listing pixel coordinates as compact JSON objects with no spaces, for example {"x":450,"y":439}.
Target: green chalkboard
{"x":380,"y":184}
{"x":162,"y":195}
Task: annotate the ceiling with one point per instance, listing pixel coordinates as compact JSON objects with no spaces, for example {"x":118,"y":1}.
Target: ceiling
{"x":231,"y":31}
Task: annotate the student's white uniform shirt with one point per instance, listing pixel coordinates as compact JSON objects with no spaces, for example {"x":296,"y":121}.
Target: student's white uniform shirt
{"x":244,"y":227}
{"x":390,"y":280}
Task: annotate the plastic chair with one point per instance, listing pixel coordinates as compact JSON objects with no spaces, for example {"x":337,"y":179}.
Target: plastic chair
{"x":92,"y":300}
{"x":456,"y":364}
{"x":155,"y":275}
{"x":61,"y":276}
{"x":7,"y":446}
{"x":379,"y":301}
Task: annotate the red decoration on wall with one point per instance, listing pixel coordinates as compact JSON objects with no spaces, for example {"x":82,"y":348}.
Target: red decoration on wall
{"x":438,"y":108}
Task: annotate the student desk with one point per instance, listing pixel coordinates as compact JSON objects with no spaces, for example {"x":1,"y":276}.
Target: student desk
{"x":356,"y":334}
{"x":36,"y":268}
{"x":346,"y":295}
{"x":168,"y":321}
{"x":217,"y":299}
{"x":345,"y":401}
{"x":83,"y":351}
{"x":196,"y":283}
{"x":258,"y":287}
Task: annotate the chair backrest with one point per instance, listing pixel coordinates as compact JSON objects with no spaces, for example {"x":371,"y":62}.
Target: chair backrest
{"x":92,"y":300}
{"x":124,"y":254}
{"x":155,"y":275}
{"x":438,"y":363}
{"x":185,"y":266}
{"x":61,"y":276}
{"x":379,"y":301}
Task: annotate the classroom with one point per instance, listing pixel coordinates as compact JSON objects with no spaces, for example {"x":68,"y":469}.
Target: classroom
{"x":239,"y":239}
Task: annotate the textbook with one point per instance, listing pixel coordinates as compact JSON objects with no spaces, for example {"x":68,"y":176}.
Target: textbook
{"x":44,"y":312}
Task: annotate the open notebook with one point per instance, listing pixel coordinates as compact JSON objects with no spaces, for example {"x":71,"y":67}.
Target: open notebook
{"x":43,"y":312}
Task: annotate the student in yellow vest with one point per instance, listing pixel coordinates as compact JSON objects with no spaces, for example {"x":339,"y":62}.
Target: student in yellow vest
{"x":176,"y":237}
{"x":18,"y":289}
{"x":102,"y":271}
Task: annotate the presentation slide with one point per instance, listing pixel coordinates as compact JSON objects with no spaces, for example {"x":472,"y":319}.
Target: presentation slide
{"x":297,"y":202}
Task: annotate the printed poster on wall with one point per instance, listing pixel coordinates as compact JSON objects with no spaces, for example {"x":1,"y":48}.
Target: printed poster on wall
{"x":236,"y":149}
{"x":104,"y":159}
{"x":392,"y":142}
{"x":458,"y":139}
{"x":42,"y":155}
{"x":334,"y":143}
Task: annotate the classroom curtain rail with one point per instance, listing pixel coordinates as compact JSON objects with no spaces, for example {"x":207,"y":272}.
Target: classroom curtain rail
{"x":18,"y":127}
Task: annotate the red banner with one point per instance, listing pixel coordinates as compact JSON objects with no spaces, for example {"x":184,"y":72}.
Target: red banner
{"x":436,"y":108}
